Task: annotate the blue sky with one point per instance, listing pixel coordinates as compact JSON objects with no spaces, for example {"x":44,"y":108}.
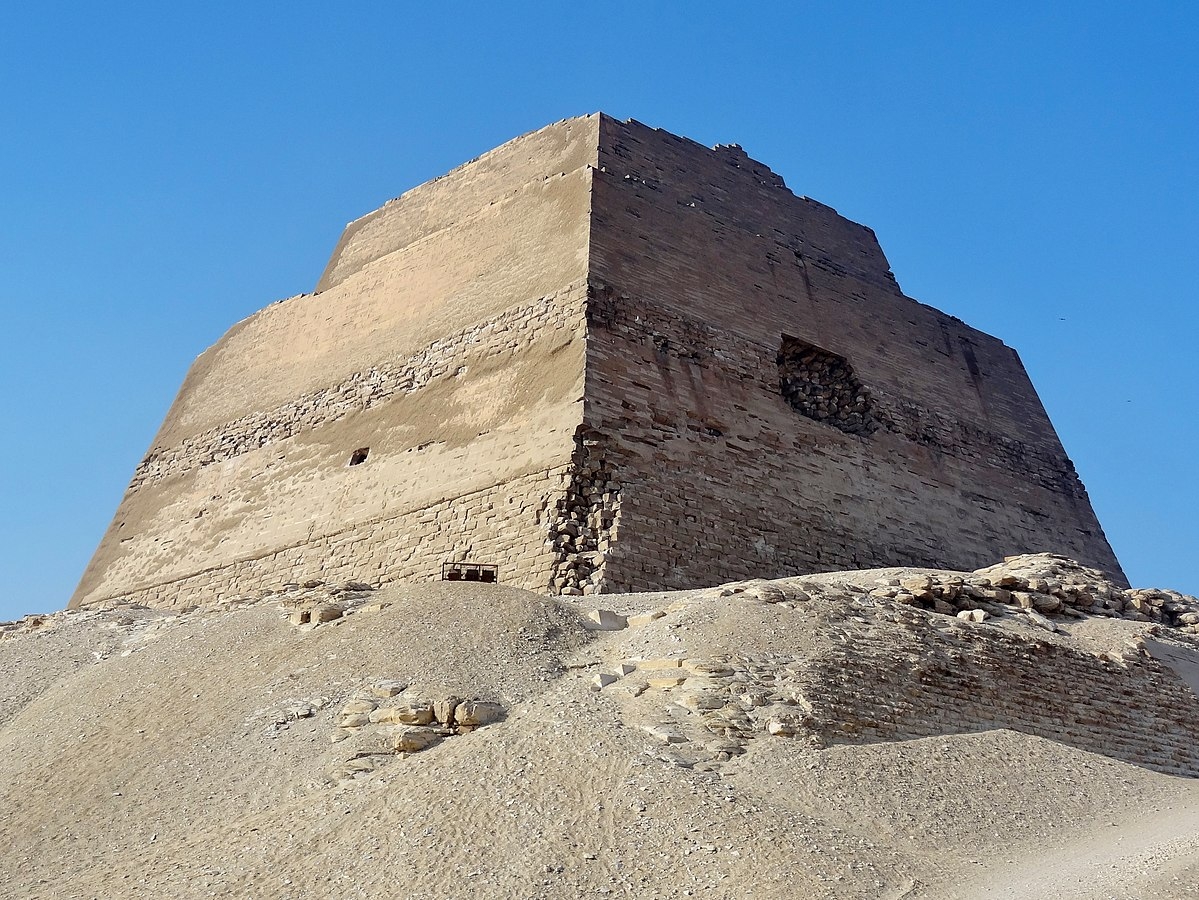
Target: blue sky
{"x":168,"y":169}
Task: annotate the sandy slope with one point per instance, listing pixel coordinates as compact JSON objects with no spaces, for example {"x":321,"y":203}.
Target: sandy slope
{"x":144,"y":755}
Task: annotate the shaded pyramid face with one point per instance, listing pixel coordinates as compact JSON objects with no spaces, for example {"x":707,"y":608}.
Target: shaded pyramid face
{"x":600,"y":357}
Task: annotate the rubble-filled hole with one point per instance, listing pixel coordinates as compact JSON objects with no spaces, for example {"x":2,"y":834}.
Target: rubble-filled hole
{"x":822,"y":386}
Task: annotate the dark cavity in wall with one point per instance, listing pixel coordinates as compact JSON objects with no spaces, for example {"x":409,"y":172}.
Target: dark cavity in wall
{"x":822,"y":386}
{"x":358,"y":457}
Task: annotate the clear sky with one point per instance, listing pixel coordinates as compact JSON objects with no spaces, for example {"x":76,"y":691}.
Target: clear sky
{"x":166,"y":169}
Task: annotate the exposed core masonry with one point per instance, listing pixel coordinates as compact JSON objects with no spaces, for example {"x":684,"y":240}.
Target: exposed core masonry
{"x":598,"y":358}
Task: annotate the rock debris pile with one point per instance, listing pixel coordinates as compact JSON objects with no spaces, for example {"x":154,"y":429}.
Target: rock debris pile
{"x":1042,"y":584}
{"x":383,"y":720}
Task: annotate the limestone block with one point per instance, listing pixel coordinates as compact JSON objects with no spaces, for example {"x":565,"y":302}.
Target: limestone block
{"x":667,"y":734}
{"x":784,"y":724}
{"x":414,"y":712}
{"x":663,"y":663}
{"x":766,"y":593}
{"x":605,"y":620}
{"x":1046,"y":603}
{"x":919,"y":586}
{"x":665,"y":682}
{"x":411,"y":739}
{"x":443,"y":709}
{"x":385,"y":689}
{"x":326,"y":613}
{"x":478,"y":712}
{"x":645,"y":618}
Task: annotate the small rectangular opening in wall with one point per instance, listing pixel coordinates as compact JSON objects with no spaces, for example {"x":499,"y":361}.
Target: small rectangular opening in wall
{"x":358,"y":457}
{"x":468,"y":571}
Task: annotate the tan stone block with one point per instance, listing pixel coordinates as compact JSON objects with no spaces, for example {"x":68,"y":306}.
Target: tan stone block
{"x":666,"y":734}
{"x":602,"y":679}
{"x":605,"y":620}
{"x":665,"y":682}
{"x":418,"y":712}
{"x":443,"y":709}
{"x":478,"y":712}
{"x":411,"y":739}
{"x":641,"y":619}
{"x":660,"y":663}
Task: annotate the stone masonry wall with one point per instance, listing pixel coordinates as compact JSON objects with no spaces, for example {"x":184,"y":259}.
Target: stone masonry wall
{"x":504,"y":525}
{"x":930,"y":677}
{"x":666,"y":367}
{"x":282,"y":535}
{"x":439,"y":204}
{"x":509,"y":332}
{"x":881,"y":656}
{"x":703,"y":267}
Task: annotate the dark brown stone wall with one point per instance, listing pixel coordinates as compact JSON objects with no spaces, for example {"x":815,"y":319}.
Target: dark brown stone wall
{"x":702,"y":265}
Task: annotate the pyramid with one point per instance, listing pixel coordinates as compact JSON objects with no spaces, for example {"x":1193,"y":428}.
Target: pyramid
{"x":598,"y":358}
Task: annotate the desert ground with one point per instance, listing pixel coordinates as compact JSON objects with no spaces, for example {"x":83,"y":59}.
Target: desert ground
{"x":660,"y":749}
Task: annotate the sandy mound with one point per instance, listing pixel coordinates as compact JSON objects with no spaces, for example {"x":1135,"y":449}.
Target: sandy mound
{"x":699,"y":748}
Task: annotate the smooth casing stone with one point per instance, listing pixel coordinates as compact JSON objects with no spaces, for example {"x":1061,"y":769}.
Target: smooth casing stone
{"x":605,"y":620}
{"x":387,"y":689}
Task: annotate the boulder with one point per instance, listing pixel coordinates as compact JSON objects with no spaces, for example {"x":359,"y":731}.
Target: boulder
{"x":413,"y":712}
{"x":411,"y":739}
{"x":443,"y":709}
{"x":478,"y":712}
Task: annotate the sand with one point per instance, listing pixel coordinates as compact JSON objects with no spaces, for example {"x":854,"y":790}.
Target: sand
{"x":152,"y":755}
